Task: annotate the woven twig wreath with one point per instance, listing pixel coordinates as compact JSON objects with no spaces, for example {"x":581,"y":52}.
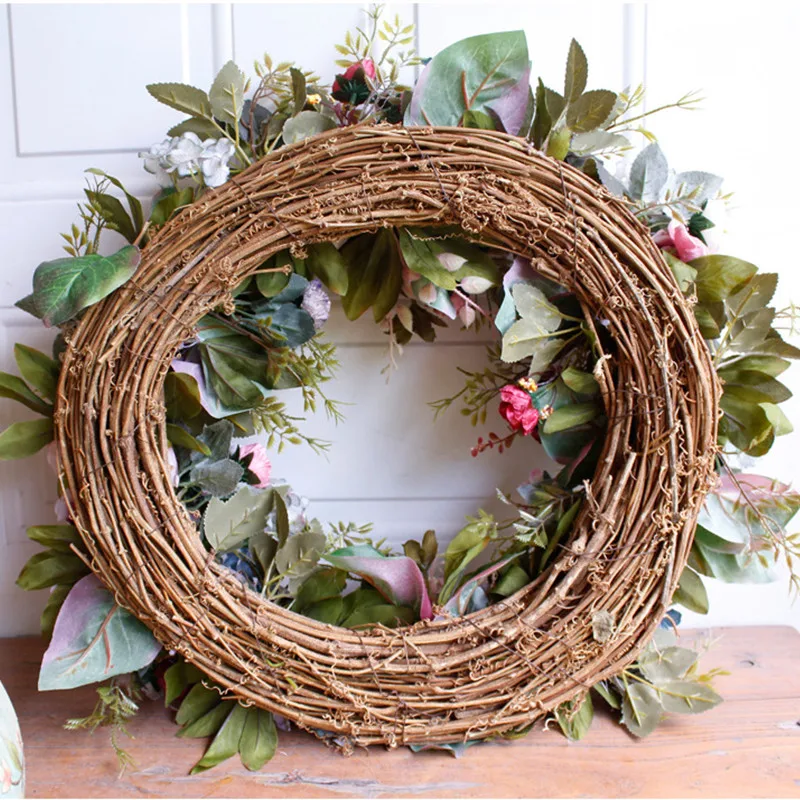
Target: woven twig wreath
{"x":446,"y":680}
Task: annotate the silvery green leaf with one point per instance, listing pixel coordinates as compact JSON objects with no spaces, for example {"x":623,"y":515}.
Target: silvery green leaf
{"x":704,"y":183}
{"x":297,"y":558}
{"x":641,"y":709}
{"x":218,"y":478}
{"x":669,"y":664}
{"x":227,"y":524}
{"x":649,"y":173}
{"x":304,"y":125}
{"x":218,"y":438}
{"x":595,"y":141}
{"x":227,"y":93}
{"x":688,"y":697}
{"x":614,"y":185}
{"x":539,"y":318}
{"x":575,"y":717}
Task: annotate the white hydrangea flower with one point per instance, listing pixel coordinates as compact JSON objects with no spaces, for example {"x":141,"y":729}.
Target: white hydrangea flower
{"x":214,"y":161}
{"x":184,"y":155}
{"x":155,"y":161}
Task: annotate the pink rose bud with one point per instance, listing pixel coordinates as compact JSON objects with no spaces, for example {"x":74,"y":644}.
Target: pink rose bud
{"x":259,"y":464}
{"x":517,"y":408}
{"x":677,"y":239}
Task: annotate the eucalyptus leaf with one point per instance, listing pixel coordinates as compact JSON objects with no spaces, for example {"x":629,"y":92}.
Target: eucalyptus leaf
{"x":94,"y":639}
{"x":473,"y":74}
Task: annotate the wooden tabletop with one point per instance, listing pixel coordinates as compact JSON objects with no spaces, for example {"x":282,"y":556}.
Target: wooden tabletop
{"x":747,"y":747}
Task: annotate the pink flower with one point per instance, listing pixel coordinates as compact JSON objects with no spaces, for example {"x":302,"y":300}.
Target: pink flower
{"x":366,"y":64}
{"x":258,"y":464}
{"x":678,"y":239}
{"x":516,"y":407}
{"x":466,"y":312}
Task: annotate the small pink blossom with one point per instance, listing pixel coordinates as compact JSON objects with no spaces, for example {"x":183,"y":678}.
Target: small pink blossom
{"x":517,"y":408}
{"x":259,"y":464}
{"x":466,"y":312}
{"x":678,"y":240}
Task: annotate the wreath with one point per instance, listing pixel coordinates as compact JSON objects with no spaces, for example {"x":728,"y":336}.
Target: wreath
{"x":640,"y":361}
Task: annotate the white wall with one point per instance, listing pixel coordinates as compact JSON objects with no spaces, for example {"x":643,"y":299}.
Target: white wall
{"x":72,"y":96}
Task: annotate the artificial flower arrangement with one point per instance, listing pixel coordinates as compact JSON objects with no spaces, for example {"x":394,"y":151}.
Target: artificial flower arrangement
{"x":226,"y":382}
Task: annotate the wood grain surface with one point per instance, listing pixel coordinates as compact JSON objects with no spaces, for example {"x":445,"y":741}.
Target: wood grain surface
{"x":747,"y":747}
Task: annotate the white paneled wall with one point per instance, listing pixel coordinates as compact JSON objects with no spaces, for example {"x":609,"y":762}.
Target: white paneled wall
{"x":72,"y":96}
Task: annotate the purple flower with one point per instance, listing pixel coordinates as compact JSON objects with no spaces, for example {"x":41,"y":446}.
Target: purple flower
{"x":316,"y":303}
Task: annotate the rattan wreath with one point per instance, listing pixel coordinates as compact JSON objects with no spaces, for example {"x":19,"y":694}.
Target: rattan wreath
{"x":449,"y":679}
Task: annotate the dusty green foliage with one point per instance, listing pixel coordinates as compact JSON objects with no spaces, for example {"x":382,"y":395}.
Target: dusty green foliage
{"x":116,"y":706}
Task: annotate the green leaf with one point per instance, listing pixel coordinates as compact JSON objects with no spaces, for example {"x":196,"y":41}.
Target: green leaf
{"x":22,"y":439}
{"x":779,"y":421}
{"x":229,"y":523}
{"x":306,"y":124}
{"x":753,"y":295}
{"x":753,"y":387}
{"x":50,"y":612}
{"x":745,"y":424}
{"x":281,"y":519}
{"x":298,"y":557}
{"x":321,"y":584}
{"x":210,"y":722}
{"x":217,"y":478}
{"x":182,"y":438}
{"x":15,"y":388}
{"x":114,"y":214}
{"x":467,"y":545}
{"x":539,"y":319}
{"x":384,"y":614}
{"x":590,"y":110}
{"x":641,"y":709}
{"x":39,"y":370}
{"x":720,"y":276}
{"x":558,"y":143}
{"x":170,"y":203}
{"x":94,"y":639}
{"x":134,"y":203}
{"x":271,"y":284}
{"x":56,"y":537}
{"x":688,"y":697}
{"x":420,"y":257}
{"x":575,"y":716}
{"x":376,"y":274}
{"x":570,"y":416}
{"x":542,"y":121}
{"x":511,"y":581}
{"x":298,"y":89}
{"x":226,"y":741}
{"x":649,"y":173}
{"x":50,"y":568}
{"x":66,"y":286}
{"x":330,"y":611}
{"x":182,"y":397}
{"x":684,"y":274}
{"x":583,"y":383}
{"x":197,"y":703}
{"x":577,"y":73}
{"x":178,"y":678}
{"x":259,"y":739}
{"x":709,"y":327}
{"x":470,"y":75}
{"x":691,"y":592}
{"x":602,"y":688}
{"x":203,"y":128}
{"x":182,"y":97}
{"x":477,"y":119}
{"x":325,"y":262}
{"x":227,"y":94}
{"x":663,"y":665}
